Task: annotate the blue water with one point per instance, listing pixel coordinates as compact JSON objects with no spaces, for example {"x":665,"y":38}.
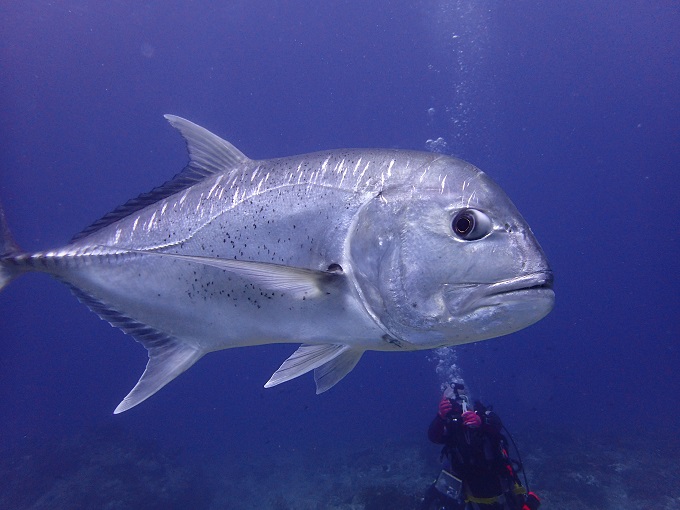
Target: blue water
{"x":573,"y":108}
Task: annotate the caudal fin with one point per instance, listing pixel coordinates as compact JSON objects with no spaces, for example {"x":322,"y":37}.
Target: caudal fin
{"x":8,"y":251}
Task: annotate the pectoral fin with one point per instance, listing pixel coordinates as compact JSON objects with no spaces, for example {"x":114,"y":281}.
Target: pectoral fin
{"x":300,"y":282}
{"x":329,"y":362}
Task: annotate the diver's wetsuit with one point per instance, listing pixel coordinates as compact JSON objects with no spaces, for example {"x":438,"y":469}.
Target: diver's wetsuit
{"x":478,"y":456}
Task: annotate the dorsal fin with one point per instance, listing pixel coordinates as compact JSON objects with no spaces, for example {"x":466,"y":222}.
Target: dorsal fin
{"x":208,"y":154}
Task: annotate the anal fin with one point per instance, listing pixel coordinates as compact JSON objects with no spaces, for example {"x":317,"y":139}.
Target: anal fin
{"x":167,"y":360}
{"x":168,"y":356}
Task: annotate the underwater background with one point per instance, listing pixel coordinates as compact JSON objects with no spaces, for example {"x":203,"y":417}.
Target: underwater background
{"x":572,"y":107}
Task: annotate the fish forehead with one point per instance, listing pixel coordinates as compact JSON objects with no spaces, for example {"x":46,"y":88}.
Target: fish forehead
{"x":355,"y":175}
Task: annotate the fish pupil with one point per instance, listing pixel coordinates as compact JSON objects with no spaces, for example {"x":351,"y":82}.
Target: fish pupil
{"x":464,"y":225}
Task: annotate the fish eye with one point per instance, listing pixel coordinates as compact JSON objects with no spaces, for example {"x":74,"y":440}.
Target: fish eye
{"x":471,"y":224}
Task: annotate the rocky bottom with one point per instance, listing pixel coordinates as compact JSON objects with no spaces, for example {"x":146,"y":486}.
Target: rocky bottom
{"x":109,"y":469}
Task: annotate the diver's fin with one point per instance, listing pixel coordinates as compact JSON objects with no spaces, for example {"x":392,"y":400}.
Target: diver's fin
{"x":8,"y":250}
{"x":208,"y":155}
{"x":207,"y":151}
{"x":168,"y":356}
{"x":300,"y":282}
{"x":309,"y":357}
{"x":329,"y":374}
{"x":167,"y":360}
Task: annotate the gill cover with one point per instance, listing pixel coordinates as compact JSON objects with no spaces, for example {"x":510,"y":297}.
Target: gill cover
{"x":377,"y":248}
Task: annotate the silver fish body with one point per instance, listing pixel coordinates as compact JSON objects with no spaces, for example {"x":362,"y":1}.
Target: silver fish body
{"x":342,"y":251}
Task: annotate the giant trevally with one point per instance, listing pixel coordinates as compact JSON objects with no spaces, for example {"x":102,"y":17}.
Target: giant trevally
{"x":342,"y":251}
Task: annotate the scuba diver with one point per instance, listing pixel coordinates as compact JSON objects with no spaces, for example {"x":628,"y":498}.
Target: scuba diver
{"x":477,"y":472}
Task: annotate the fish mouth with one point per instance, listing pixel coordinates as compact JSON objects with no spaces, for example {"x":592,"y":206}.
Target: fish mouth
{"x":540,"y":280}
{"x":532,"y":286}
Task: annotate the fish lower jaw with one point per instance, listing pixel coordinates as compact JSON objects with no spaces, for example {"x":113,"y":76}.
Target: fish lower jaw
{"x":513,"y":302}
{"x":534,"y":287}
{"x":513,"y":310}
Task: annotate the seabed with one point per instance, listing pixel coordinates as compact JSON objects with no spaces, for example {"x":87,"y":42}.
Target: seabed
{"x":108,"y":469}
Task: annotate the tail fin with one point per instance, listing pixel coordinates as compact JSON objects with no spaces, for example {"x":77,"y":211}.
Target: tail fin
{"x":8,"y":250}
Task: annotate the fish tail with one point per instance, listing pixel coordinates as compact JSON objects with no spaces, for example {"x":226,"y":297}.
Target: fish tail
{"x":9,"y":250}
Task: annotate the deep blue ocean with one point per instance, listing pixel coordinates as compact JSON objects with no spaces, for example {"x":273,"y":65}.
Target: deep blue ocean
{"x":572,"y":107}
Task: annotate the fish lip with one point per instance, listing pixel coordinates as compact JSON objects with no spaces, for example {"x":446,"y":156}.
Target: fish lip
{"x":533,"y":281}
{"x":535,"y":285}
